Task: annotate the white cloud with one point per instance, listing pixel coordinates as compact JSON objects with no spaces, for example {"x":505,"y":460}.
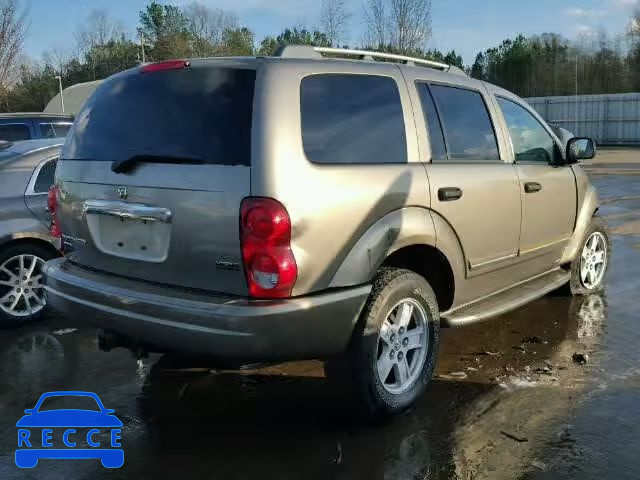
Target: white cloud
{"x":585,"y":12}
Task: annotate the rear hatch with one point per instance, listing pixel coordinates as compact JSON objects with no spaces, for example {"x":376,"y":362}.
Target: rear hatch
{"x":154,"y":170}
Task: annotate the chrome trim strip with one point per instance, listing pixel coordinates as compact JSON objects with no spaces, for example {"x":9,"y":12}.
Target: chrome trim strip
{"x":546,"y":245}
{"x":495,"y":260}
{"x":132,"y":211}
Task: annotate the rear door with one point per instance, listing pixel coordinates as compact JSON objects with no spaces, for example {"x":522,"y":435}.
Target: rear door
{"x":172,"y":215}
{"x":472,"y":188}
{"x":547,"y":189}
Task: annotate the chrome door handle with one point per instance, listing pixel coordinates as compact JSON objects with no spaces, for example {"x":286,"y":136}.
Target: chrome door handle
{"x":449,"y":194}
{"x":532,"y":187}
{"x":132,"y":211}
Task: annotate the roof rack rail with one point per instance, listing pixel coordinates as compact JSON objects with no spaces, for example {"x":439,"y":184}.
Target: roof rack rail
{"x":311,"y":52}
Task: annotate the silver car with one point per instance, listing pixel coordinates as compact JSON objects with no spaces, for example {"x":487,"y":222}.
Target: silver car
{"x":27,"y":170}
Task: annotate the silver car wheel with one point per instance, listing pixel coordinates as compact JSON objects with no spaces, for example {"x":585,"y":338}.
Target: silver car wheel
{"x":402,"y":346}
{"x":593,"y":261}
{"x":21,"y":289}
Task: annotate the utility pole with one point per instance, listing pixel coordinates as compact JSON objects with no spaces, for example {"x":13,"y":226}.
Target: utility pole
{"x":59,"y":78}
{"x":576,"y":102}
{"x":144,"y":60}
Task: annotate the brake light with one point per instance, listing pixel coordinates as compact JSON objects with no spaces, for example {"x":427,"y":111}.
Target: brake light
{"x":52,"y":205}
{"x":265,"y":237}
{"x":166,"y":65}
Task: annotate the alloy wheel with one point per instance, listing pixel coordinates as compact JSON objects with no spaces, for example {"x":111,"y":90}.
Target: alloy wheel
{"x":593,"y":261}
{"x":21,"y":288}
{"x":402,"y":346}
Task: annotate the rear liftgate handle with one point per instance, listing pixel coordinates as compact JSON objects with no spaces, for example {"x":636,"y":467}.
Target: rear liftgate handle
{"x":532,"y":187}
{"x":449,"y":194}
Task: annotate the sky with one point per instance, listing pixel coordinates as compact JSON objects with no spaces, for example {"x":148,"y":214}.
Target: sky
{"x":467,"y":26}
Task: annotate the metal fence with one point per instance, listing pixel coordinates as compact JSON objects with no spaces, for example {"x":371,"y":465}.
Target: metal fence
{"x":608,"y":119}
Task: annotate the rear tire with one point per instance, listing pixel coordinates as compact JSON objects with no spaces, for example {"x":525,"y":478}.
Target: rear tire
{"x":397,"y":338}
{"x":9,"y":269}
{"x":587,"y":274}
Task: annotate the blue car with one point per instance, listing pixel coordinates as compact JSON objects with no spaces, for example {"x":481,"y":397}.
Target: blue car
{"x":31,"y":448}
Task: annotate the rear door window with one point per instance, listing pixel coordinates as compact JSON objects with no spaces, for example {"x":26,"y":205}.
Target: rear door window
{"x":468,"y":131}
{"x":352,"y":119}
{"x":14,"y":132}
{"x":436,"y":137}
{"x":198,"y":113}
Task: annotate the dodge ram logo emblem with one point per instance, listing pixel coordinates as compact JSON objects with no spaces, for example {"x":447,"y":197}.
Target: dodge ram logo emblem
{"x":122,"y":193}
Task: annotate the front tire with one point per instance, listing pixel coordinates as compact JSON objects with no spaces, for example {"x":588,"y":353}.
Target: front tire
{"x":394,"y":347}
{"x":589,"y":269}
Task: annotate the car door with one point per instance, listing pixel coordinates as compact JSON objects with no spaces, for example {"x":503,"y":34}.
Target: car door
{"x":472,"y":188}
{"x":547,"y":189}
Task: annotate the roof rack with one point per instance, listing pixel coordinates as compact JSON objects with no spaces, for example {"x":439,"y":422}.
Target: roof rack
{"x":311,"y":52}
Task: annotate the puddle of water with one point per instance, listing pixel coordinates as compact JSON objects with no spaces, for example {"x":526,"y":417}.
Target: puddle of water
{"x":285,"y":422}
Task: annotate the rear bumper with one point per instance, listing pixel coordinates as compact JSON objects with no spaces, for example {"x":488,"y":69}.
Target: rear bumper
{"x":171,"y":320}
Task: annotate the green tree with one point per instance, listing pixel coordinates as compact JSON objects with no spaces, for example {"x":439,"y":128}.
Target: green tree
{"x":238,"y":42}
{"x":167,"y":29}
{"x":293,"y":36}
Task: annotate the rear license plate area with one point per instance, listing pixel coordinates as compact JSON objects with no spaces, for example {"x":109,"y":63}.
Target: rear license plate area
{"x":144,"y":240}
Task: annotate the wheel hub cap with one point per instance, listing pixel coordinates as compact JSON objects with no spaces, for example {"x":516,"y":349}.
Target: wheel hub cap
{"x":593,"y":262}
{"x":21,"y":289}
{"x":402,"y":346}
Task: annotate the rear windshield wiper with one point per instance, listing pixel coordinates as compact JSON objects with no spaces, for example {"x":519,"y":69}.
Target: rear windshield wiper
{"x":123,"y":166}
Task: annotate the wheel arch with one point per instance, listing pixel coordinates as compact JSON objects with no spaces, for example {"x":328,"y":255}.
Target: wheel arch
{"x":33,"y":238}
{"x":406,"y":238}
{"x":588,"y":209}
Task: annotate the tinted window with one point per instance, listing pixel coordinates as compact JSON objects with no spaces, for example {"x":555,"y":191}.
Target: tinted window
{"x":531,"y":142}
{"x":436,"y":137}
{"x":54,"y":130}
{"x":45,"y":177}
{"x":467,"y":127}
{"x":14,"y":132}
{"x":352,"y":119}
{"x":202,"y":114}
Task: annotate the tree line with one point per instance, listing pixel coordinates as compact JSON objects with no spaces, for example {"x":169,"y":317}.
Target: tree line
{"x":529,"y":66}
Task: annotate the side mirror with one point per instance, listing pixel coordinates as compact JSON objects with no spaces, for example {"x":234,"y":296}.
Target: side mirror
{"x":29,"y":411}
{"x":580,"y":149}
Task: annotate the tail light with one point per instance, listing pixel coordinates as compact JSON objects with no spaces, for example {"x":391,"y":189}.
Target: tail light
{"x":52,"y":205}
{"x":265,"y":237}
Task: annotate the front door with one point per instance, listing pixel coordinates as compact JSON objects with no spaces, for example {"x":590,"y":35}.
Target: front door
{"x":548,"y":191}
{"x":471,"y":187}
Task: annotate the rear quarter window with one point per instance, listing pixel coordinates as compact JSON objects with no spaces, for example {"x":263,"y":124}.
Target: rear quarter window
{"x":352,"y":119}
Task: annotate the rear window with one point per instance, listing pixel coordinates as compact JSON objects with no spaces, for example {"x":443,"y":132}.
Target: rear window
{"x":14,"y":132}
{"x":352,"y":119}
{"x":202,"y":114}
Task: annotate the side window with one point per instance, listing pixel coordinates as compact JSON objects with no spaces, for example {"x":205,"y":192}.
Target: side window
{"x":45,"y":177}
{"x":352,"y":119}
{"x":436,"y":137}
{"x":54,"y":130}
{"x":14,"y":132}
{"x":531,"y":142}
{"x":468,"y":130}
